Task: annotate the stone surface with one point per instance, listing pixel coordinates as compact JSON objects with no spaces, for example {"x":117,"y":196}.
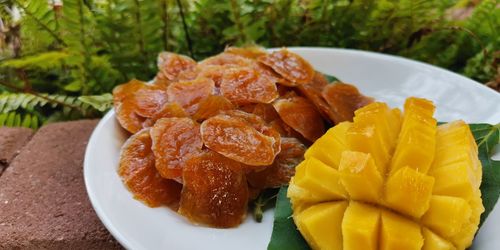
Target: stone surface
{"x":11,"y":141}
{"x":43,"y":201}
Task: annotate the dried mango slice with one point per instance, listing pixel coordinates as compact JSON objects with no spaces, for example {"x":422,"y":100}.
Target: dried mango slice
{"x":227,"y":59}
{"x":259,"y":124}
{"x":171,"y":64}
{"x":138,"y":173}
{"x":175,"y":140}
{"x":266,"y":112}
{"x":215,"y":192}
{"x":313,"y":91}
{"x":169,"y":109}
{"x":211,"y":106}
{"x":127,"y":117}
{"x":283,"y":167}
{"x":289,"y":65}
{"x":343,"y":100}
{"x":246,"y":85}
{"x":149,"y":99}
{"x":252,"y":52}
{"x":234,"y":138}
{"x":189,"y":94}
{"x":301,"y":115}
{"x":123,"y":91}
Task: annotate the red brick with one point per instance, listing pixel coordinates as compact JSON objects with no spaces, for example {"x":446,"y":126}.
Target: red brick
{"x":43,"y":201}
{"x":11,"y":141}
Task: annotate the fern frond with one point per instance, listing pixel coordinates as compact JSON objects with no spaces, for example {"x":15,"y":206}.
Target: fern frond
{"x":44,"y":61}
{"x":41,"y":13}
{"x":13,"y":119}
{"x":10,"y":102}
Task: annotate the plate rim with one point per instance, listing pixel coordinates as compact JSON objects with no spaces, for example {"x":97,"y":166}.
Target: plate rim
{"x":115,"y":232}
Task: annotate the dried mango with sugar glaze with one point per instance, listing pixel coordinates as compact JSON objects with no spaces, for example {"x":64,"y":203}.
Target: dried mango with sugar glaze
{"x":390,"y":180}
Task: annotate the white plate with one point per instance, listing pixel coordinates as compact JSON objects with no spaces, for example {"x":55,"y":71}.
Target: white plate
{"x":387,"y":78}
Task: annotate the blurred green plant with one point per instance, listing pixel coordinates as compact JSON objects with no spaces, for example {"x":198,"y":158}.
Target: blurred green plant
{"x":81,"y":49}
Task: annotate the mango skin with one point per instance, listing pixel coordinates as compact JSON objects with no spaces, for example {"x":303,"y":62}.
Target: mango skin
{"x":390,"y":180}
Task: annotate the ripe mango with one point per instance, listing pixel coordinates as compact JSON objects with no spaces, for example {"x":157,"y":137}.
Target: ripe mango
{"x":390,"y":180}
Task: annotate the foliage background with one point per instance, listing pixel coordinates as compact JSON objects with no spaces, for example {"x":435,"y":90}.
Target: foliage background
{"x":60,"y":59}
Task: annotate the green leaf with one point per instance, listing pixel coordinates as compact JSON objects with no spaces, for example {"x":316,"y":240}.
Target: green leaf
{"x":100,"y":102}
{"x":285,"y":234}
{"x":330,"y":78}
{"x":264,"y":201}
{"x":487,"y":137}
{"x":74,"y":86}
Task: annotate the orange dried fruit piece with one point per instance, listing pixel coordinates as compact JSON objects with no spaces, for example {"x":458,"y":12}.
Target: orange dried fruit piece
{"x":138,"y":173}
{"x":301,"y":115}
{"x":252,"y":52}
{"x":234,"y":138}
{"x":149,"y":99}
{"x":169,"y":109}
{"x":246,"y":85}
{"x":266,"y":112}
{"x":211,"y":106}
{"x":127,"y":117}
{"x":283,"y":167}
{"x":123,"y":91}
{"x":343,"y":100}
{"x":227,"y":59}
{"x":215,"y":191}
{"x":213,"y":72}
{"x":313,"y":91}
{"x":171,"y":64}
{"x":259,"y":124}
{"x":188,"y":94}
{"x":289,"y":65}
{"x":174,"y":141}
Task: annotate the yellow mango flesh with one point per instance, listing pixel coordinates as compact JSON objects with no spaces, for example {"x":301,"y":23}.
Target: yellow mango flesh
{"x":409,"y":192}
{"x":320,"y":182}
{"x":398,"y":233}
{"x":360,"y":176}
{"x":433,"y":241}
{"x":390,"y":180}
{"x":333,"y":140}
{"x":321,"y":225}
{"x":360,"y":227}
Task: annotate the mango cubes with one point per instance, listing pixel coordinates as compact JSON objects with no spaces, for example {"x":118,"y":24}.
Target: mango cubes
{"x":390,"y":180}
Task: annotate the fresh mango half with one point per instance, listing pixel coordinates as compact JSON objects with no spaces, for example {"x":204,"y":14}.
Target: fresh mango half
{"x":390,"y":180}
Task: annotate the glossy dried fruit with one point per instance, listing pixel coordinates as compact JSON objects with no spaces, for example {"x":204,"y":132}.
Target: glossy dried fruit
{"x":175,"y":140}
{"x":283,"y":167}
{"x":123,"y":91}
{"x":227,"y":59}
{"x":252,"y":52}
{"x":169,"y":109}
{"x":259,"y":124}
{"x":138,"y":173}
{"x":289,"y":65}
{"x":189,"y":94}
{"x":343,"y":99}
{"x":127,"y":117}
{"x":213,"y":72}
{"x":266,"y":112}
{"x":301,"y":115}
{"x":234,"y":138}
{"x":313,"y":92}
{"x":246,"y":85}
{"x":215,"y":192}
{"x":211,"y":106}
{"x":135,"y":101}
{"x":171,"y":64}
{"x":149,"y":99}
